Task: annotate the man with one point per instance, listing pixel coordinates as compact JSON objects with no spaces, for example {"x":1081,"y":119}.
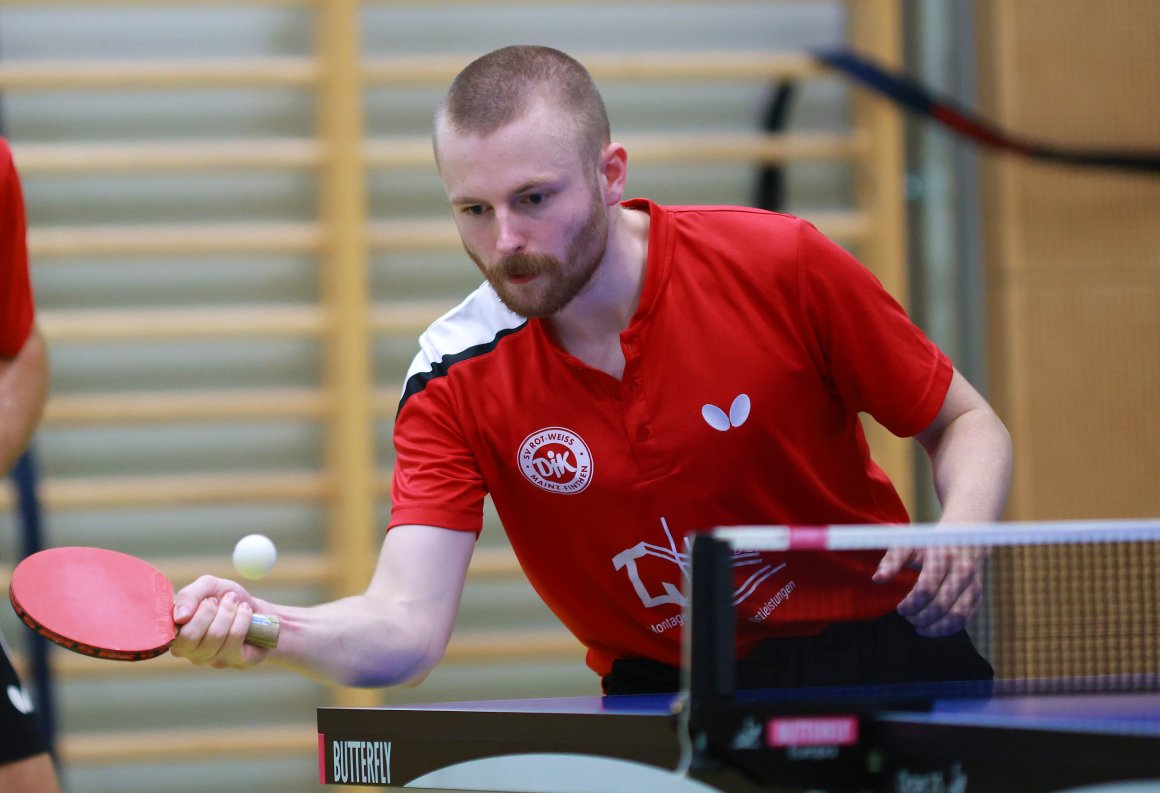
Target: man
{"x":25,"y":764}
{"x":629,"y":374}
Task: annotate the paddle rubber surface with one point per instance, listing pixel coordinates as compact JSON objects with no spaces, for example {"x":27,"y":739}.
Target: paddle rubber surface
{"x":96,"y":602}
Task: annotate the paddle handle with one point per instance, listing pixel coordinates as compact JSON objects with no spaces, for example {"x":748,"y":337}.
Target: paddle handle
{"x":263,"y":631}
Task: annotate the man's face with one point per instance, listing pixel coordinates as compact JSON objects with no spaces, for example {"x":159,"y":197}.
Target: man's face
{"x":529,"y":211}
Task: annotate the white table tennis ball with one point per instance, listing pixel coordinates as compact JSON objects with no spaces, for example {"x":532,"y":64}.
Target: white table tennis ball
{"x":254,"y":555}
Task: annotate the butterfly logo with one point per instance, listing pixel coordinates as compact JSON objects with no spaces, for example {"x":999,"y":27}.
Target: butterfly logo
{"x":20,"y":699}
{"x":719,"y":420}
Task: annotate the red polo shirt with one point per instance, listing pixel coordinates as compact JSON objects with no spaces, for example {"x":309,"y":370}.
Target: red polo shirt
{"x":756,"y":344}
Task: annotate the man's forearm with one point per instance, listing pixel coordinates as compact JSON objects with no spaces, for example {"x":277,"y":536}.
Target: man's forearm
{"x":23,"y":389}
{"x":354,"y":642}
{"x":972,"y":467}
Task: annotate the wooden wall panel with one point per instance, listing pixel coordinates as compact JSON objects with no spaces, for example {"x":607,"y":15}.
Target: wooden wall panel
{"x":1073,"y":276}
{"x":1074,"y":264}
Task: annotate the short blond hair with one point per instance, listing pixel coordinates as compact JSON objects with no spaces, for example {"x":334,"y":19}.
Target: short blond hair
{"x":500,"y":87}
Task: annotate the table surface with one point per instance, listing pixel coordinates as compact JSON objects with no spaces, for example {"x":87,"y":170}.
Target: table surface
{"x":1075,"y":740}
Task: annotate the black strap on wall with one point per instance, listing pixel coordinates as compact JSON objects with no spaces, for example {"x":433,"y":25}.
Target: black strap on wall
{"x":771,"y":193}
{"x":916,"y":98}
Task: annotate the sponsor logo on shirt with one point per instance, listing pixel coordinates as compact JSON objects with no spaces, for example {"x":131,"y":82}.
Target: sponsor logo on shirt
{"x":557,"y":460}
{"x":649,"y":567}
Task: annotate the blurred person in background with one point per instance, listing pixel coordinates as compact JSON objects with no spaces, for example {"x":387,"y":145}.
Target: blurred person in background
{"x":25,"y":764}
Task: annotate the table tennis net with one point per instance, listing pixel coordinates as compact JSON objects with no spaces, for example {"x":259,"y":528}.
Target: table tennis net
{"x":1067,"y":607}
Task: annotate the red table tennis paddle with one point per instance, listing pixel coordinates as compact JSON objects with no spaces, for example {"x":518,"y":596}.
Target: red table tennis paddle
{"x":105,"y":604}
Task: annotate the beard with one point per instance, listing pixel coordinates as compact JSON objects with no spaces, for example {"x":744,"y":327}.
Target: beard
{"x":561,"y":280}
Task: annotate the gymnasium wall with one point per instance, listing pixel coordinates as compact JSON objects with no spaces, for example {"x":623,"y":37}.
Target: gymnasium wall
{"x":1073,"y":268}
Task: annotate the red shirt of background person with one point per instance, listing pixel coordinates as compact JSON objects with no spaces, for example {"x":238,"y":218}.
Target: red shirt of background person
{"x":16,"y":308}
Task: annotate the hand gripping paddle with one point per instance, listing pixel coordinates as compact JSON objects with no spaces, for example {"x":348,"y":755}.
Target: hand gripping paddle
{"x":105,"y":604}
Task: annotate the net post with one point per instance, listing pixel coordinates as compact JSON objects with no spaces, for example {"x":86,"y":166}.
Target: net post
{"x":709,"y":663}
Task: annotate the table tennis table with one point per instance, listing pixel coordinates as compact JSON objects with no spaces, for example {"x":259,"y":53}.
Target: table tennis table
{"x":1052,"y":742}
{"x":1025,"y":736}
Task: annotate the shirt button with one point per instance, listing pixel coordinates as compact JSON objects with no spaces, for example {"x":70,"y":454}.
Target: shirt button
{"x":643,"y":433}
{"x":633,"y":385}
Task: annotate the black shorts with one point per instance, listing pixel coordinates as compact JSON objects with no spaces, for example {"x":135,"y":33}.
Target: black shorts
{"x":18,"y":721}
{"x":877,"y":652}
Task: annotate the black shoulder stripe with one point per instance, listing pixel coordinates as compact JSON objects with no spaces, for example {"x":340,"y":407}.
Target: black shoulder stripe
{"x":417,"y":382}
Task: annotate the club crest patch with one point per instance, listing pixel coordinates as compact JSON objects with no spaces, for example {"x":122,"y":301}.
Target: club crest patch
{"x":557,"y":460}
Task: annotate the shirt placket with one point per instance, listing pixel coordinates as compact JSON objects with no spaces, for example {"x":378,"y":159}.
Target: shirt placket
{"x":639,"y":424}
